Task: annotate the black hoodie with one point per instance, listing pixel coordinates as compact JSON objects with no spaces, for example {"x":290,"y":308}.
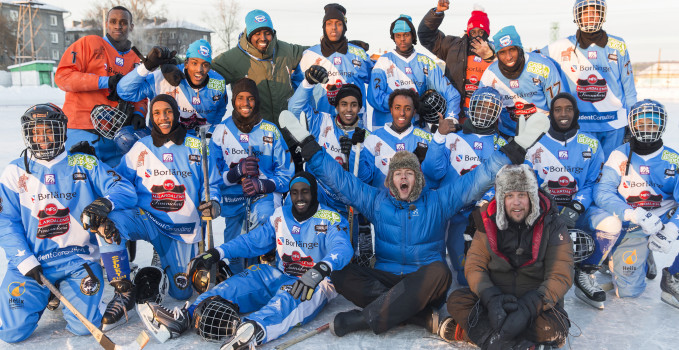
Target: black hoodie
{"x":177,"y":133}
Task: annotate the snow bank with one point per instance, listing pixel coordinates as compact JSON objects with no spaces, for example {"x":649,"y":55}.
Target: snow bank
{"x":30,"y":95}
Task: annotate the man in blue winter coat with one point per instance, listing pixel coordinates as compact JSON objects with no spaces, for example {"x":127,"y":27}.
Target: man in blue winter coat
{"x":410,"y":275}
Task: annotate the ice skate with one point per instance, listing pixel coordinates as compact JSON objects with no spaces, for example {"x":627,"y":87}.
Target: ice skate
{"x":669,"y":284}
{"x":163,"y":323}
{"x":588,"y":290}
{"x":117,"y":308}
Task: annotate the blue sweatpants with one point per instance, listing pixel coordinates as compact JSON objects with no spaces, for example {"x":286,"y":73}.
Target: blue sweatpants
{"x":106,"y":149}
{"x":455,"y":244}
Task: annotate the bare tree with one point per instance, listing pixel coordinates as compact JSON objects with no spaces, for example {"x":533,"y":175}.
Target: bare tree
{"x":224,"y":20}
{"x":141,"y":10}
{"x":7,"y":41}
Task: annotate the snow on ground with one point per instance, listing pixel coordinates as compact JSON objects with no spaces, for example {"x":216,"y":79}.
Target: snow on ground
{"x":642,"y":323}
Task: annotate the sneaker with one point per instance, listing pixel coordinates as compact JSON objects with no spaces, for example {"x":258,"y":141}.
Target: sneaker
{"x":652,"y":269}
{"x":244,"y":338}
{"x":669,"y":284}
{"x":450,"y":331}
{"x":588,"y":290}
{"x":163,"y":323}
{"x":122,"y":302}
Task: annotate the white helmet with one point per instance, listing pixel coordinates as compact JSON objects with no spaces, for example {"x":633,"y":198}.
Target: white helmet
{"x":647,"y":120}
{"x":485,"y":106}
{"x":599,"y":6}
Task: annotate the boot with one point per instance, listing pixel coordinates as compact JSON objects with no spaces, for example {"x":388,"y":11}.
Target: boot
{"x":348,"y":322}
{"x":450,"y":331}
{"x":652,"y":269}
{"x":669,"y":284}
{"x":163,"y":323}
{"x":587,"y":288}
{"x":122,"y":302}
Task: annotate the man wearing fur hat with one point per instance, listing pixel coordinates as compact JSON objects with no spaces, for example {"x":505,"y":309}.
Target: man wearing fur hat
{"x":254,"y":161}
{"x":520,"y":266}
{"x":404,"y":68}
{"x":345,"y":62}
{"x":466,"y":57}
{"x":410,"y":277}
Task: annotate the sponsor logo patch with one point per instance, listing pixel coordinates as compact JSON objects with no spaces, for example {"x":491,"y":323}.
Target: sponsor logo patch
{"x":79,"y":177}
{"x":194,"y":158}
{"x":244,"y":138}
{"x":168,"y":158}
{"x":120,"y":61}
{"x":50,"y":179}
{"x":592,"y":55}
{"x":644,"y":170}
{"x":514,"y":84}
{"x":337,"y":61}
{"x":53,"y":222}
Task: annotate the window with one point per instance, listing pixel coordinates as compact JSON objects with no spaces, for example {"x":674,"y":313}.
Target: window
{"x":55,"y":54}
{"x":13,"y":15}
{"x":173,"y":35}
{"x":53,"y":20}
{"x":55,"y":37}
{"x":205,"y":38}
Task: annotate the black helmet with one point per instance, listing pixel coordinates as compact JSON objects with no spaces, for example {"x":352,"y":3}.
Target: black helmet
{"x":44,"y":129}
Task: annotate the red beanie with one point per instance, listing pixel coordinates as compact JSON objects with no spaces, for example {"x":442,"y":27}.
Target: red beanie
{"x":479,"y":19}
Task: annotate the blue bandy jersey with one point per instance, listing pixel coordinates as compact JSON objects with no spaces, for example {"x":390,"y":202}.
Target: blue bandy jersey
{"x":299,"y":245}
{"x":567,"y":170}
{"x":381,"y":145}
{"x":265,"y":142}
{"x":40,"y":210}
{"x":600,"y":78}
{"x":417,"y":72}
{"x":208,"y":102}
{"x":650,"y":182}
{"x":169,"y":184}
{"x":531,"y":92}
{"x":354,"y":68}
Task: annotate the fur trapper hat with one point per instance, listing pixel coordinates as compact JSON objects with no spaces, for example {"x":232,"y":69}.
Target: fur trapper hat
{"x":405,"y":160}
{"x":516,"y":178}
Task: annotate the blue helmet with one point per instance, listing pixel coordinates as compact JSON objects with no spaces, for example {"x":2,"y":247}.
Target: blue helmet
{"x":647,"y":120}
{"x":485,"y":107}
{"x":599,"y":11}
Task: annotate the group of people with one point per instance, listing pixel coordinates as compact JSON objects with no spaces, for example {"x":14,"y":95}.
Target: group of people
{"x":496,"y":162}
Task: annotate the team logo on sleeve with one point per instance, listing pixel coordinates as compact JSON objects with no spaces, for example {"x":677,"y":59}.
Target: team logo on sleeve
{"x":591,"y":89}
{"x":89,"y":286}
{"x":120,"y":61}
{"x":644,"y":170}
{"x":168,"y":196}
{"x":53,"y":222}
{"x":50,"y":179}
{"x":168,"y":158}
{"x":295,"y":264}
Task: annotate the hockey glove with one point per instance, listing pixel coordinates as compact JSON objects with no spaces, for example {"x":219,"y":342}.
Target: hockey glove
{"x":498,"y":305}
{"x":248,"y":166}
{"x":345,"y":145}
{"x":107,"y":230}
{"x":316,"y":75}
{"x":172,"y":74}
{"x":137,"y":121}
{"x":35,"y":273}
{"x":203,"y":261}
{"x":96,"y":213}
{"x":113,"y":87}
{"x":209,"y":210}
{"x":649,"y":222}
{"x":157,"y":56}
{"x":305,"y":286}
{"x":571,"y":212}
{"x":255,"y":186}
{"x":530,"y":130}
{"x":662,"y":241}
{"x":358,"y":136}
{"x":83,"y":147}
{"x":421,"y":151}
{"x":302,"y":141}
{"x":528,"y":307}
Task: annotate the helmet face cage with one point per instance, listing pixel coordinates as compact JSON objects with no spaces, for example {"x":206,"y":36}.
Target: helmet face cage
{"x":107,"y":120}
{"x":583,"y":245}
{"x":484,"y":109}
{"x":581,"y":7}
{"x":647,"y":121}
{"x":44,"y":131}
{"x":218,"y":320}
{"x":436,"y":103}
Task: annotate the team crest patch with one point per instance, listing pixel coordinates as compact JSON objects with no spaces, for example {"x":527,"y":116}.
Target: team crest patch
{"x":296,"y":230}
{"x":477,"y":59}
{"x":400,"y":147}
{"x":120,"y":61}
{"x":514,"y":84}
{"x":195,"y":100}
{"x":592,"y":55}
{"x":181,"y":281}
{"x":644,"y":170}
{"x":337,"y":61}
{"x":89,"y":286}
{"x":409,"y":70}
{"x":478,"y":145}
{"x":50,"y":179}
{"x":244,"y":138}
{"x":168,"y":158}
{"x":563,"y":154}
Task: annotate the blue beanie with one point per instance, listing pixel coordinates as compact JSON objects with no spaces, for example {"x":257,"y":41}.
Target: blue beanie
{"x":255,"y":20}
{"x":200,"y":49}
{"x":401,"y":26}
{"x":506,"y":37}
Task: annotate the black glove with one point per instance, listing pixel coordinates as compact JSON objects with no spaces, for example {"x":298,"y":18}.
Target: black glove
{"x":316,"y":75}
{"x":528,"y":308}
{"x":83,"y":147}
{"x":345,"y":145}
{"x":107,"y":230}
{"x":209,"y":210}
{"x":421,"y":151}
{"x":358,"y":136}
{"x":137,"y":121}
{"x":113,"y":87}
{"x":571,"y":212}
{"x":255,"y":186}
{"x":157,"y":56}
{"x":248,"y":166}
{"x":497,"y":304}
{"x":305,"y":148}
{"x":172,"y":74}
{"x":204,"y":261}
{"x":362,"y":44}
{"x":94,"y":214}
{"x":305,"y":286}
{"x":35,"y":273}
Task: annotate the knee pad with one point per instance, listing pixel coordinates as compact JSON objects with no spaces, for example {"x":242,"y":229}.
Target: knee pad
{"x":610,"y":224}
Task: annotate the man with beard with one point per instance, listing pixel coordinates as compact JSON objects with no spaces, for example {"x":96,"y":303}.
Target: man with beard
{"x":599,"y":73}
{"x":526,"y":81}
{"x":344,"y":61}
{"x":466,"y":57}
{"x":404,"y":68}
{"x":200,"y":92}
{"x":89,"y":72}
{"x":254,"y":161}
{"x":165,"y":168}
{"x":410,"y":277}
{"x":262,"y":57}
{"x":310,"y":241}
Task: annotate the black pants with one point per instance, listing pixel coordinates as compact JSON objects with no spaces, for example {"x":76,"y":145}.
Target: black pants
{"x":549,"y":328}
{"x":388,"y":299}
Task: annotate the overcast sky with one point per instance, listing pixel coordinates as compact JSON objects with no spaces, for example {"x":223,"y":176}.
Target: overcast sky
{"x":646,"y":25}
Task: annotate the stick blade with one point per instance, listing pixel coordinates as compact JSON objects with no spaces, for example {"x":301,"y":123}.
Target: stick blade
{"x":138,"y":344}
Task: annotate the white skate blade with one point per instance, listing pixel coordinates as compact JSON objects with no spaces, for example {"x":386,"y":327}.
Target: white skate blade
{"x":670,"y":299}
{"x":109,"y":326}
{"x":582,"y":296}
{"x":159,"y":331}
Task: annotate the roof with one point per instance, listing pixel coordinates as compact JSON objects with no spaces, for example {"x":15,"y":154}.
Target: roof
{"x":178,"y":24}
{"x":35,"y":4}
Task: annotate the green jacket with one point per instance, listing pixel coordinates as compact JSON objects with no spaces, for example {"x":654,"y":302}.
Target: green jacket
{"x":271,"y":71}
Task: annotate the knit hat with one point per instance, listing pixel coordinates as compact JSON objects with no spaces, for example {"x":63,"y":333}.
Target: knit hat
{"x":310,"y":180}
{"x":405,"y":160}
{"x":507,"y":36}
{"x":403,"y":24}
{"x":177,"y":133}
{"x":516,"y":178}
{"x":349,"y":90}
{"x":576,"y":111}
{"x":255,"y":21}
{"x":335,"y":11}
{"x":479,"y":19}
{"x":245,"y":85}
{"x":200,"y":49}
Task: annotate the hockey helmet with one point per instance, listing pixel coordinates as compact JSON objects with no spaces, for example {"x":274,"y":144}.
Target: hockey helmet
{"x":107,"y":120}
{"x":44,"y":130}
{"x":583,"y":245}
{"x":581,"y":8}
{"x":431,"y":104}
{"x":647,"y":120}
{"x":126,"y":137}
{"x":485,"y":106}
{"x":151,"y":284}
{"x":201,"y":277}
{"x":215,"y":318}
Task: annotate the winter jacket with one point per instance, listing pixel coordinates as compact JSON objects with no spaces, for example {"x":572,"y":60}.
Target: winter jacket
{"x":271,"y":71}
{"x":548,"y":268}
{"x":451,"y":49}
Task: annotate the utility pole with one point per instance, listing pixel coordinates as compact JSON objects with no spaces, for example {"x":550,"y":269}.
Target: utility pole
{"x":27,"y":15}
